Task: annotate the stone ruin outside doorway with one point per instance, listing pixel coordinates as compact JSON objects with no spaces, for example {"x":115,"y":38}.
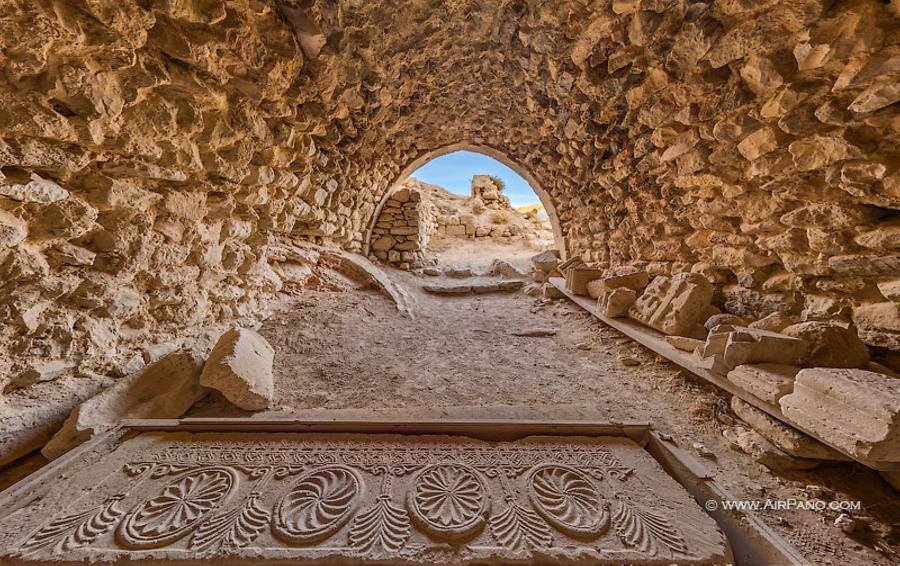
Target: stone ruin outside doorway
{"x":428,"y":156}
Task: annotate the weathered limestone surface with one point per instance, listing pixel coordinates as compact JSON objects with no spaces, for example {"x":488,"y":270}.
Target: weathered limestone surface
{"x":830,"y":344}
{"x":678,"y":305}
{"x":385,"y":499}
{"x":790,"y":440}
{"x":768,"y":382}
{"x":854,"y":409}
{"x":240,"y":368}
{"x":152,"y":153}
{"x":164,"y":389}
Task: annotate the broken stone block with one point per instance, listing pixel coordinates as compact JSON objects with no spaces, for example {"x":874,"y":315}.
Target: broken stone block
{"x":622,"y":276}
{"x":775,"y":322}
{"x":711,"y":354}
{"x":725,"y":318}
{"x":38,"y":190}
{"x":853,"y":409}
{"x":13,"y":229}
{"x":767,"y":382}
{"x":760,"y":449}
{"x":684,"y":343}
{"x":675,"y":305}
{"x":503,"y":268}
{"x":578,"y":277}
{"x":545,"y":262}
{"x":785,"y":437}
{"x":240,"y":367}
{"x":830,"y":345}
{"x":616,"y":303}
{"x":751,"y":345}
{"x":163,"y":390}
{"x":551,"y":292}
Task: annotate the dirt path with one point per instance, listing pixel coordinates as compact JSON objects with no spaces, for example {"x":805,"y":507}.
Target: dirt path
{"x":355,"y":351}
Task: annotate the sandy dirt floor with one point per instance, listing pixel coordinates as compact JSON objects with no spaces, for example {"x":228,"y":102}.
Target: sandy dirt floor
{"x":355,"y":351}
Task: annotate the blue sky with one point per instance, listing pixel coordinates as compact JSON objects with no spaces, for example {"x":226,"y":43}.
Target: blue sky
{"x":454,"y":172}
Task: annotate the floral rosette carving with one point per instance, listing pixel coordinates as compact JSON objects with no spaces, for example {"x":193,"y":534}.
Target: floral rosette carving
{"x":179,"y":506}
{"x":449,"y":501}
{"x":318,"y":505}
{"x":568,"y":500}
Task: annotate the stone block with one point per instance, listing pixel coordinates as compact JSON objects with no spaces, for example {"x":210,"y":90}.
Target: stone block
{"x":545,"y":262}
{"x":674,"y":305}
{"x":785,"y":437}
{"x":767,"y":382}
{"x":165,"y":389}
{"x":830,"y":344}
{"x":751,"y":346}
{"x":577,"y":278}
{"x":854,"y":409}
{"x":879,"y":324}
{"x":616,"y":303}
{"x":456,"y":230}
{"x":240,"y":367}
{"x":765,"y":452}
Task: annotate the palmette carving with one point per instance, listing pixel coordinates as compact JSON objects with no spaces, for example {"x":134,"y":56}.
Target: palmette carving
{"x":519,"y":528}
{"x":567,"y":499}
{"x":182,"y":504}
{"x":76,"y":530}
{"x":318,"y":505}
{"x":449,"y":501}
{"x":646,"y":530}
{"x":236,"y":528}
{"x":380,"y":528}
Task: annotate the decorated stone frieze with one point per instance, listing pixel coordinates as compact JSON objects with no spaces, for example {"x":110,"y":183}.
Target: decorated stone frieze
{"x":364,"y":498}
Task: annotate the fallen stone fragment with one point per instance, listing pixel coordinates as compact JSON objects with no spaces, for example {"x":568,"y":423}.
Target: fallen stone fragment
{"x":676,"y":305}
{"x":13,"y":230}
{"x":503,"y":268}
{"x":767,"y":382}
{"x":684,"y":343}
{"x":551,"y":292}
{"x":830,"y":345}
{"x":761,"y":450}
{"x":629,"y":361}
{"x":578,"y":277}
{"x":240,"y":367}
{"x":622,"y":276}
{"x":785,"y":437}
{"x":751,"y":346}
{"x":725,"y":318}
{"x":616,"y":303}
{"x":535,"y":332}
{"x":775,"y":322}
{"x":165,"y":389}
{"x":854,"y":409}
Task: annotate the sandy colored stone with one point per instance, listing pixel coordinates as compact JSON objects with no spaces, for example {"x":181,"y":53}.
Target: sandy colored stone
{"x":240,"y":368}
{"x":765,"y":452}
{"x":684,"y":343}
{"x":857,"y":410}
{"x":674,"y":306}
{"x":786,"y":438}
{"x":768,"y":382}
{"x":577,"y":278}
{"x":775,"y":322}
{"x":615,"y":303}
{"x":164,"y":389}
{"x":830,"y":344}
{"x":751,"y":346}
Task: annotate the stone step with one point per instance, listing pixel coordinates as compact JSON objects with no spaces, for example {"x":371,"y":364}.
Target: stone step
{"x":478,"y":287}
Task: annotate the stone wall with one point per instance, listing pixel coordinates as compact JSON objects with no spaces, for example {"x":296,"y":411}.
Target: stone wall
{"x":150,"y":152}
{"x":404,"y":226}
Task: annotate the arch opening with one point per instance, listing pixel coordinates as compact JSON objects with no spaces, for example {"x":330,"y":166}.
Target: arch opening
{"x":426,"y":157}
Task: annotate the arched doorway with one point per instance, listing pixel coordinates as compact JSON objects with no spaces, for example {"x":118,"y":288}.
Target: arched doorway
{"x":424,"y":158}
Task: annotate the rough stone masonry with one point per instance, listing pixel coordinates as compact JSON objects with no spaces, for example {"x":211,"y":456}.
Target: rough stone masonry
{"x":152,"y":153}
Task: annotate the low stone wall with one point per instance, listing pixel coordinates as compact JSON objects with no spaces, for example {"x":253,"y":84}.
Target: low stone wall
{"x":403,"y":229}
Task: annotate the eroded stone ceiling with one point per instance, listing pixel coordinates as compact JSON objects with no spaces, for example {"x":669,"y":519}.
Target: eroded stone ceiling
{"x":151,"y":151}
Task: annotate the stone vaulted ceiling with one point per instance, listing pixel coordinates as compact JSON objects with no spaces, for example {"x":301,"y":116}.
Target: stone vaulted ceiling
{"x":753,"y":141}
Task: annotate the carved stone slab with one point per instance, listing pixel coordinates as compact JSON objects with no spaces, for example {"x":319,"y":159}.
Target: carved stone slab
{"x":236,"y":498}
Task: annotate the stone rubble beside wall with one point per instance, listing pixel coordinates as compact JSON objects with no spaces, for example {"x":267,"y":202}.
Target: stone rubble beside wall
{"x":151,"y":152}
